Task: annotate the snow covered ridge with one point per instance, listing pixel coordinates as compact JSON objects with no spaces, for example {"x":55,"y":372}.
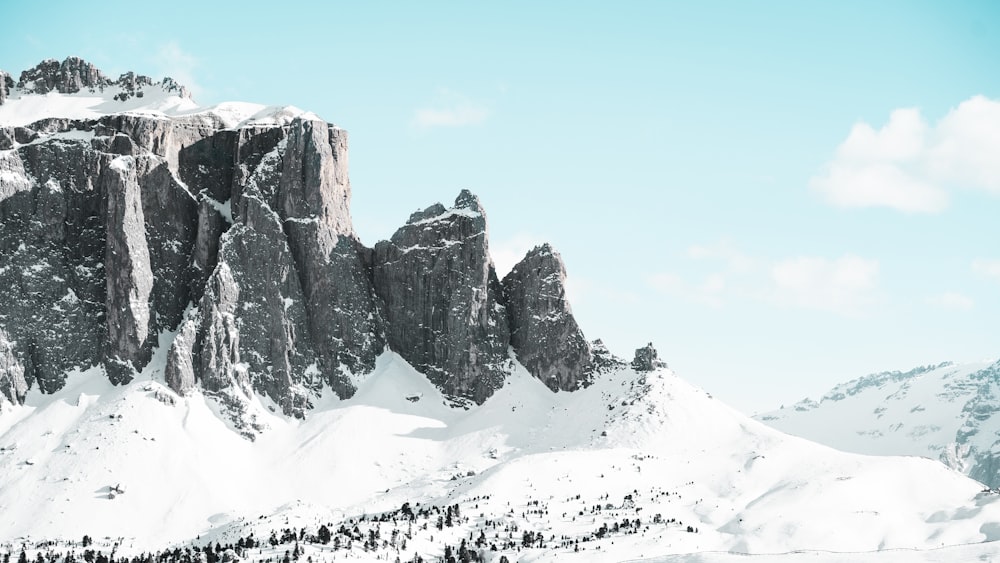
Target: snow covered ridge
{"x":76,"y":90}
{"x":637,"y":465}
{"x":946,"y":411}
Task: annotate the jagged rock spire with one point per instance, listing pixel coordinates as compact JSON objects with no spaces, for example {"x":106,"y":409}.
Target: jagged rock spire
{"x":442,"y":299}
{"x":543,"y":331}
{"x":647,"y":359}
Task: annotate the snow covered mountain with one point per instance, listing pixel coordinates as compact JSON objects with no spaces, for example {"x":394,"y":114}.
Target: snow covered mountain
{"x":199,"y":358}
{"x":945,"y":412}
{"x":637,"y":464}
{"x":129,"y":211}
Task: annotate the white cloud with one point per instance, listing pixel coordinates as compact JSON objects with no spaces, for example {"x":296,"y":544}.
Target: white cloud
{"x":709,"y":291}
{"x":989,"y":267}
{"x":451,"y":109}
{"x":952,"y":301}
{"x":910,"y":165}
{"x":845,"y":285}
{"x":175,"y":62}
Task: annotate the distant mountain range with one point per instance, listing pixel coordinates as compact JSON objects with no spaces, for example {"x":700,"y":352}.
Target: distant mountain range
{"x":946,"y":412}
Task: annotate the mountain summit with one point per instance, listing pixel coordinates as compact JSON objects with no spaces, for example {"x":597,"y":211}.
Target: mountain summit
{"x":133,"y":218}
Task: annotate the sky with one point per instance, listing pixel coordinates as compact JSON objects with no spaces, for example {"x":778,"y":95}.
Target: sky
{"x":781,"y":196}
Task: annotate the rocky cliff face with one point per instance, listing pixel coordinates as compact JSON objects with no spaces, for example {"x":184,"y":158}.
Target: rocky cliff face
{"x":6,"y":83}
{"x":237,"y":242}
{"x":647,"y":359}
{"x":12,"y":383}
{"x":443,"y":302}
{"x":544,"y":333}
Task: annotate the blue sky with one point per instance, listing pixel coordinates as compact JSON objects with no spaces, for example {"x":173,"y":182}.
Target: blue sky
{"x":780,"y":195}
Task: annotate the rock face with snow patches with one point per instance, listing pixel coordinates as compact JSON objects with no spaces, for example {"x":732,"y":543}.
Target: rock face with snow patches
{"x":647,"y":359}
{"x":12,"y":383}
{"x":443,"y":301}
{"x":229,"y":229}
{"x":947,"y":411}
{"x":544,"y":333}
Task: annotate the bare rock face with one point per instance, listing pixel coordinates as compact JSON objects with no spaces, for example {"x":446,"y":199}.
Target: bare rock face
{"x":130,"y":288}
{"x":646,"y":359}
{"x":443,"y":302}
{"x":543,"y":332}
{"x":6,"y":83}
{"x":179,"y":372}
{"x":68,"y":77}
{"x":313,"y":201}
{"x":52,"y":241}
{"x":118,"y":231}
{"x":288,"y":305}
{"x":75,"y":75}
{"x":12,"y":383}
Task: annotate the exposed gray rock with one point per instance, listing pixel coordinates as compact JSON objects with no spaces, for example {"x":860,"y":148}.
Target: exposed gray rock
{"x":255,"y":333}
{"x":75,"y":74}
{"x":646,"y":359}
{"x":604,"y":360}
{"x":68,"y":77}
{"x":170,"y":85}
{"x":162,"y":137}
{"x":116,"y":230}
{"x":443,"y":302}
{"x":314,"y":203}
{"x":51,"y":258}
{"x":129,"y":274}
{"x":289,"y":305}
{"x":543,"y":332}
{"x":131,"y":85}
{"x":12,"y":383}
{"x":6,"y":83}
{"x":179,"y":371}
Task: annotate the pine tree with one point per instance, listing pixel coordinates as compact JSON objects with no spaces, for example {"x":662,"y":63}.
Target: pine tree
{"x":323,"y":534}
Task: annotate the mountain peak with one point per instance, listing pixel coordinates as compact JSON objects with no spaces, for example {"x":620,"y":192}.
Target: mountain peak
{"x":647,"y":359}
{"x":74,"y":75}
{"x":468,"y":200}
{"x":66,"y":77}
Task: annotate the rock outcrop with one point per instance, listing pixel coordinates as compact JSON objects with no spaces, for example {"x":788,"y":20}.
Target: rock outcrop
{"x":646,"y":359}
{"x":543,"y":332}
{"x":288,"y":304}
{"x":66,"y":77}
{"x":443,"y":302}
{"x":6,"y":83}
{"x":129,"y":294}
{"x":12,"y":383}
{"x":120,"y":231}
{"x":77,"y":75}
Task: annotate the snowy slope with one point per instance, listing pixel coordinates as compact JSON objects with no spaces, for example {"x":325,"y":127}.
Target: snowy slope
{"x":632,"y":445}
{"x":944,"y":412}
{"x":23,"y":108}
